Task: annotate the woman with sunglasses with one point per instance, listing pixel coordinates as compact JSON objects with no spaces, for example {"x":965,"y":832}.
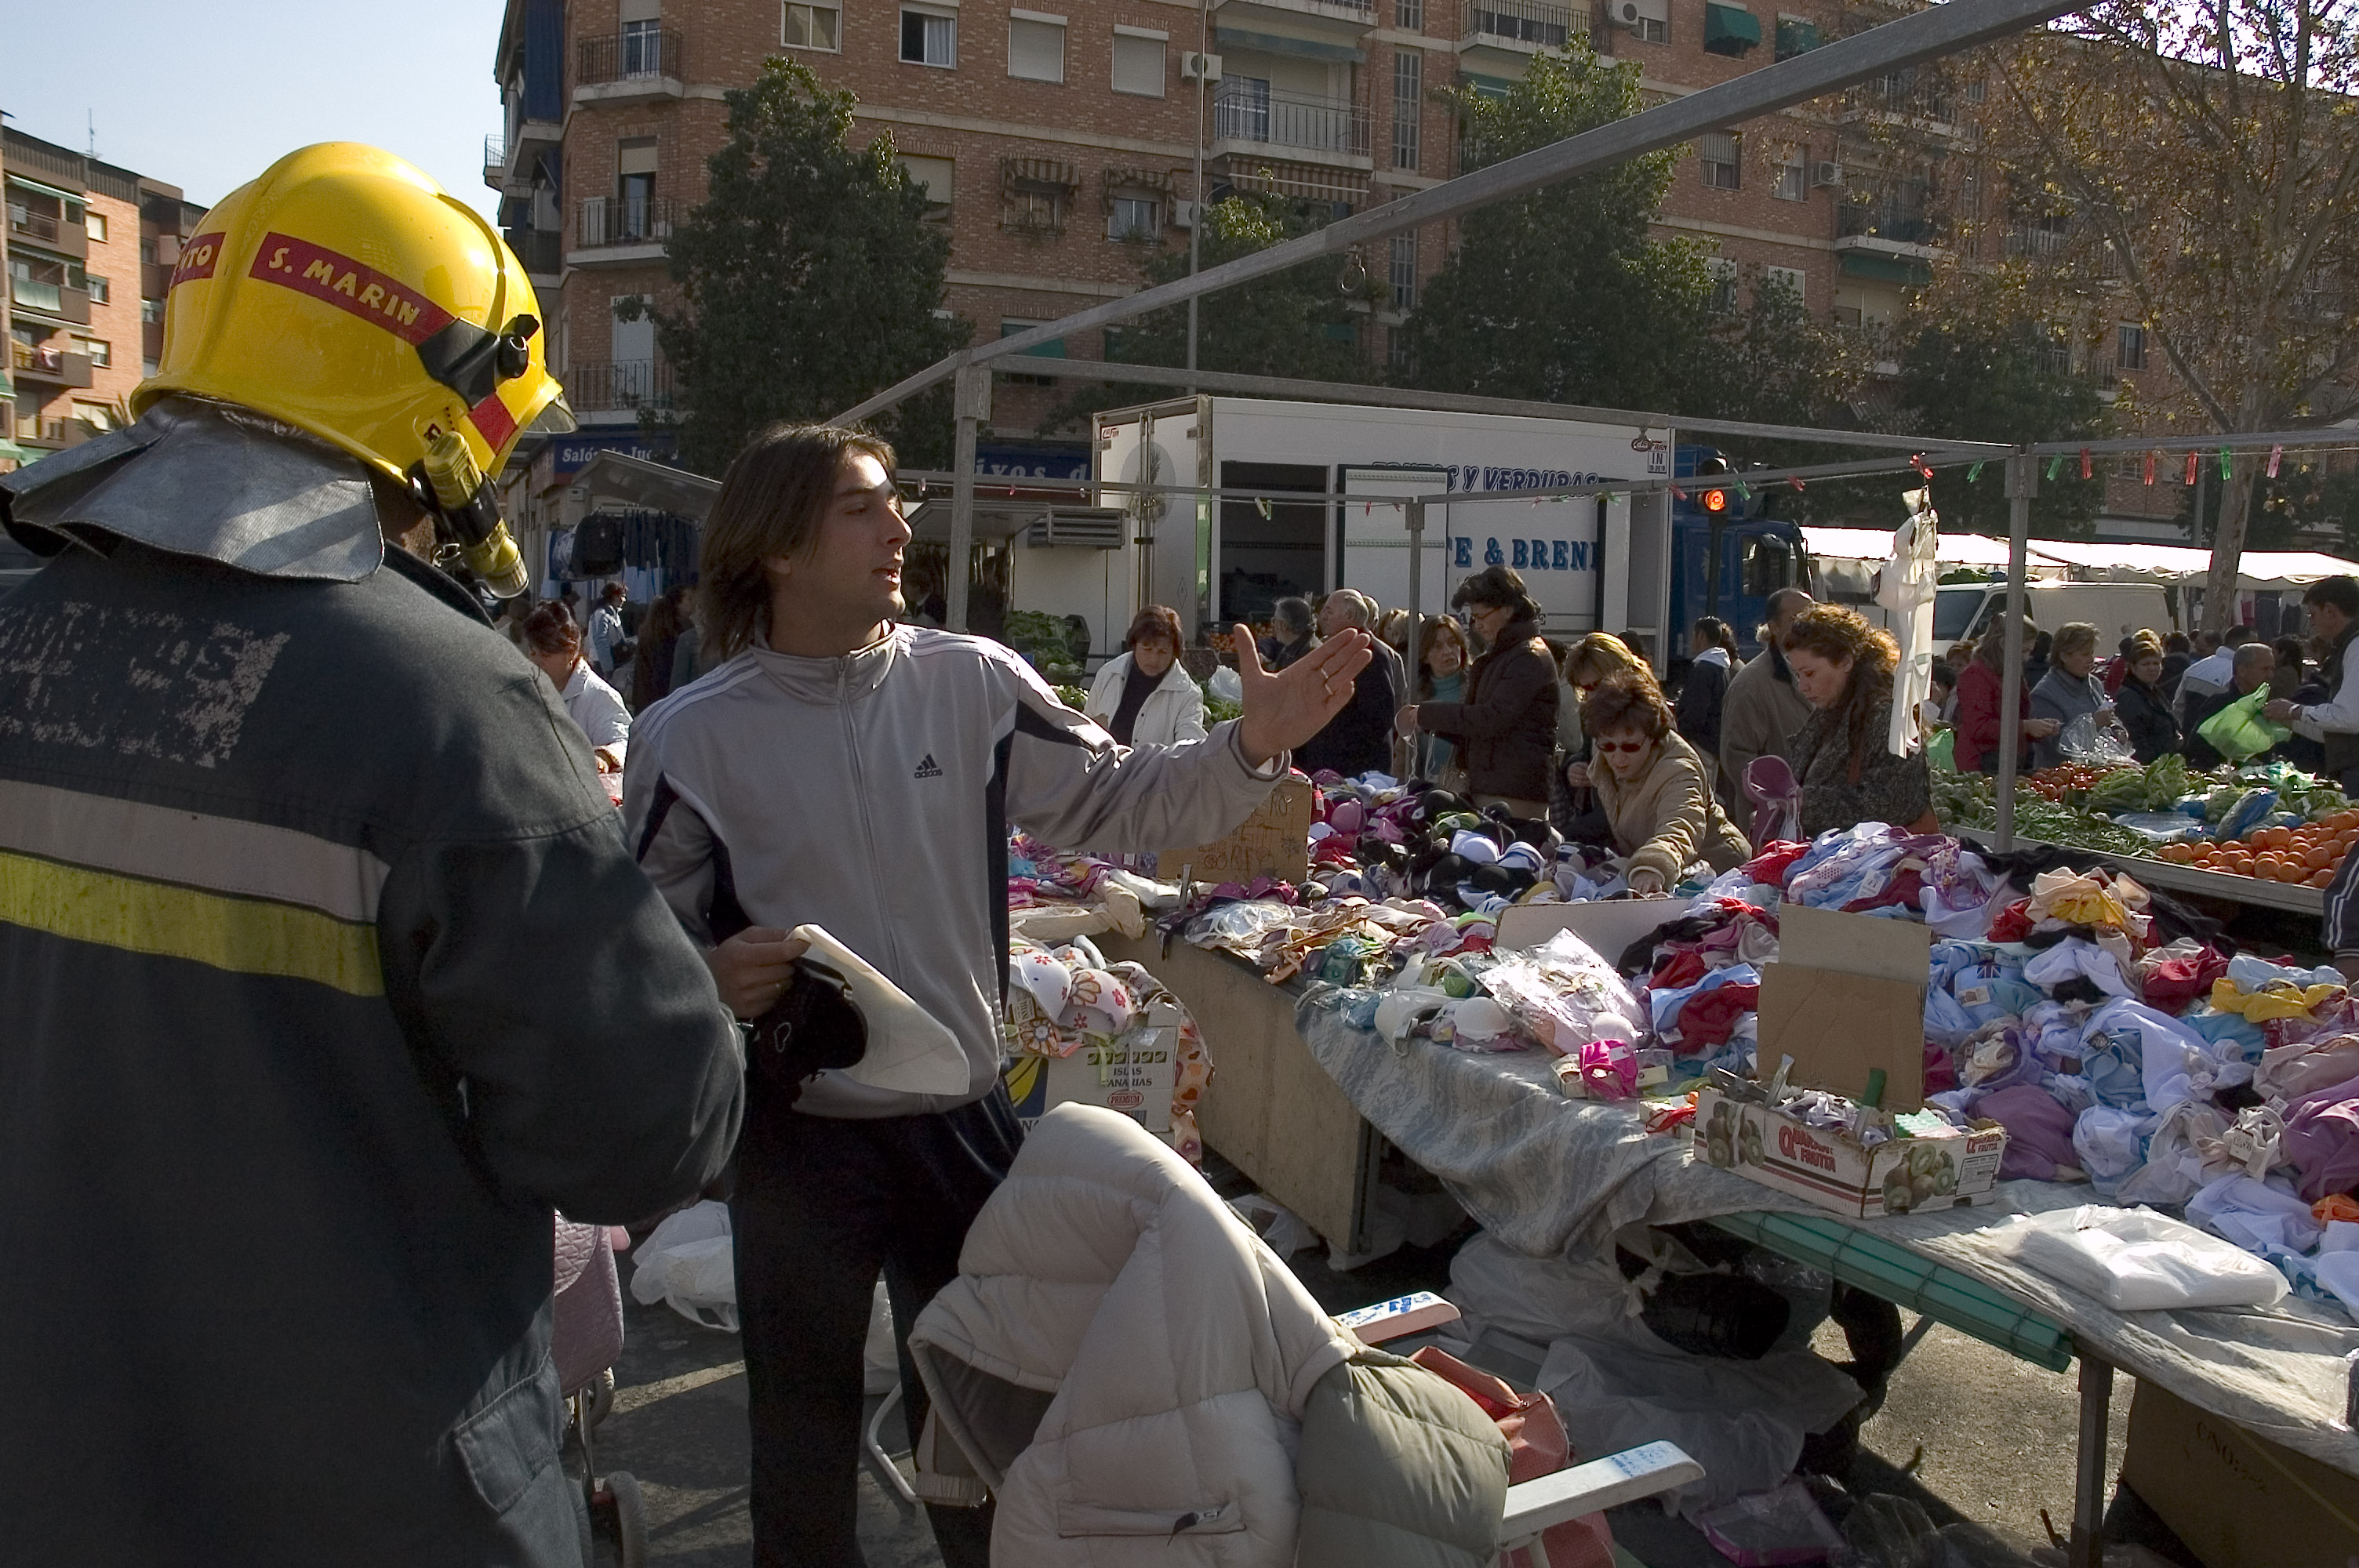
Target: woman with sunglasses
{"x":1843,"y":758}
{"x":1653,"y":786}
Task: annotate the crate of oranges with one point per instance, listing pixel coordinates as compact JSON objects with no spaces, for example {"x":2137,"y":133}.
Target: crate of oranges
{"x":2305,"y":856}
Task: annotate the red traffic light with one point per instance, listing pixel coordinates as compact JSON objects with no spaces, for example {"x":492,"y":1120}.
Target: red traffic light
{"x":1715,"y":500}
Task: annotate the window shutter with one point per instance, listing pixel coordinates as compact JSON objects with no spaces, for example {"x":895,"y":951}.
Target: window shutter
{"x":1036,"y":50}
{"x":1138,"y":65}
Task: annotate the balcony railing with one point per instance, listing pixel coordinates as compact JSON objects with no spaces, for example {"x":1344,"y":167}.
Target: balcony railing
{"x":1519,"y":22}
{"x":1901,"y":225}
{"x":542,"y":251}
{"x":623,"y":220}
{"x":637,"y":55}
{"x":63,"y":301}
{"x":1242,"y":114}
{"x":33,"y":225}
{"x":496,"y":150}
{"x":46,"y":363}
{"x":619,"y":384}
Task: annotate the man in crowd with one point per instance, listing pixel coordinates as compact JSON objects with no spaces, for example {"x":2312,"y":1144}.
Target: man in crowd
{"x":861,"y":777}
{"x":2213,"y":673}
{"x":2250,"y":666}
{"x":1359,"y":739}
{"x":606,"y":628}
{"x":327,"y":976}
{"x":1762,"y":710}
{"x":1290,"y":636}
{"x":2333,"y":606}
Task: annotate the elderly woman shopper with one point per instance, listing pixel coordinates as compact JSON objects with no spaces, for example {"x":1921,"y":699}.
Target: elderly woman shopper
{"x":1144,"y":698}
{"x":2070,"y":689}
{"x":1506,"y":727}
{"x":2145,"y":707}
{"x":1842,"y":756}
{"x":552,"y":641}
{"x":1653,"y":786}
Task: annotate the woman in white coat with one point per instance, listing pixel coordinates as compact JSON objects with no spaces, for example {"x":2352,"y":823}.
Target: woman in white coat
{"x":1144,"y":698}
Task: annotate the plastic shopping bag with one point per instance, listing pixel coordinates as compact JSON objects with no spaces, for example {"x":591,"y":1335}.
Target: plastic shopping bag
{"x":2134,"y":1259}
{"x":688,"y":1264}
{"x":2098,"y":739}
{"x":1941,"y":751}
{"x":2238,"y":731}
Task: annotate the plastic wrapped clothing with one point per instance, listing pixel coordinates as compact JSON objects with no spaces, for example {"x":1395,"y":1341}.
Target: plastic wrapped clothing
{"x":2176,"y":1063}
{"x":2038,"y":1132}
{"x":2258,"y":1216}
{"x":2174,"y":1170}
{"x":2078,"y":898}
{"x":2111,"y":1144}
{"x":2294,"y":1069}
{"x":2137,"y":1260}
{"x":2073,"y":957}
{"x":1566,"y":995}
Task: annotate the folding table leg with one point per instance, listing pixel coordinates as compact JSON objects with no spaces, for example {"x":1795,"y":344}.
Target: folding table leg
{"x":2088,"y":1549}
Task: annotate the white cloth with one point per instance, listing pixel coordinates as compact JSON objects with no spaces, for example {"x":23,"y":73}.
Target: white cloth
{"x":1180,"y":1351}
{"x":2214,"y":672}
{"x":2339,"y":713}
{"x":598,"y":707}
{"x":1905,"y":589}
{"x":1173,"y":711}
{"x":606,"y":630}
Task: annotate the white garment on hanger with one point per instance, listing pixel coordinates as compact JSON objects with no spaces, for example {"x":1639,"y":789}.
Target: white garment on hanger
{"x":1906,"y":591}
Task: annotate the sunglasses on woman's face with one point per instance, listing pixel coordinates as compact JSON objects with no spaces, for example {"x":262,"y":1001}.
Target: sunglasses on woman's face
{"x":1622,"y":745}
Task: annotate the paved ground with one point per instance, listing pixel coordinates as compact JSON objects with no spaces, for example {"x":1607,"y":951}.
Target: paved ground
{"x":1968,"y":1431}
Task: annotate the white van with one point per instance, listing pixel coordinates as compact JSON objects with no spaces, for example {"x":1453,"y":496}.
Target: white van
{"x":2117,"y":609}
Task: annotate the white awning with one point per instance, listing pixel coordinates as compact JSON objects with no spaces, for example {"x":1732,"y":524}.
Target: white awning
{"x":1874,"y":545}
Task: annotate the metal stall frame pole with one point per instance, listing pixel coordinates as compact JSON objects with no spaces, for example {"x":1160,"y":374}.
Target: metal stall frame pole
{"x":2087,"y":1549}
{"x":1414,"y":667}
{"x":2022,"y":485}
{"x":1196,"y":190}
{"x":970,"y":400}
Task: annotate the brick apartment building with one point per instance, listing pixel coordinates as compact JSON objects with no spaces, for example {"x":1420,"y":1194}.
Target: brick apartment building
{"x":90,"y":248}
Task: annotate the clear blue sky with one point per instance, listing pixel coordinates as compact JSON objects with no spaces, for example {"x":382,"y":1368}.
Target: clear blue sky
{"x":205,"y":97}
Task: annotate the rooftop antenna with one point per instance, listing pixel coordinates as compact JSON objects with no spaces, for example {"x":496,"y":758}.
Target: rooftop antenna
{"x":91,"y":121}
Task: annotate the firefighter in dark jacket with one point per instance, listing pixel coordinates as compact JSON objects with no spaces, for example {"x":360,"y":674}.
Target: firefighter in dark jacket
{"x":328,"y":977}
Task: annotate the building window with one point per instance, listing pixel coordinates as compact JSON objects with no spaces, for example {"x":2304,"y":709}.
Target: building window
{"x":1718,"y":150}
{"x":1793,"y":181}
{"x":1402,"y":272}
{"x":98,"y":287}
{"x":1135,"y":217}
{"x":1138,"y":61}
{"x":634,"y":190}
{"x":812,"y":28}
{"x":932,"y":178}
{"x":95,"y":224}
{"x":1724,"y":283}
{"x":1796,"y":36}
{"x":100,"y":350}
{"x":1035,"y":195}
{"x":1408,"y":15}
{"x":2129,"y":347}
{"x":1408,"y":100}
{"x":928,"y":38}
{"x":643,"y":48}
{"x":1400,"y":351}
{"x":1653,"y":23}
{"x":1789,"y":276}
{"x":151,"y":311}
{"x":1035,"y":47}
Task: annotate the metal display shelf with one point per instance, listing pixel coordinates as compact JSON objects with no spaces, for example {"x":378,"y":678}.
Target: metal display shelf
{"x":1882,"y":1268}
{"x":2258,"y":891}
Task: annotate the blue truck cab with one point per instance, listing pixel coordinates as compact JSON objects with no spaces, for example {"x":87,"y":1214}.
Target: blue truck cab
{"x":1726,"y":558}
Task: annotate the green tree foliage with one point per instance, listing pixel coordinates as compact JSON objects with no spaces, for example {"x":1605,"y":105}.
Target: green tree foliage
{"x":808,"y":276}
{"x":1979,"y":377}
{"x":1300,"y":322}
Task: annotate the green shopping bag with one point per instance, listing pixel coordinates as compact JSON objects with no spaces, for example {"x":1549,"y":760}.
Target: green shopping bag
{"x":2238,"y":731}
{"x":1941,"y":751}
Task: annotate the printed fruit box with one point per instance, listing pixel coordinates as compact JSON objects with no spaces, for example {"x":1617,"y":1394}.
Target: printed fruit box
{"x":1901,"y":1175}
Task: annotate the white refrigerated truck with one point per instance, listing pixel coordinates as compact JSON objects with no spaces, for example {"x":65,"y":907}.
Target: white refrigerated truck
{"x":1331,"y":481}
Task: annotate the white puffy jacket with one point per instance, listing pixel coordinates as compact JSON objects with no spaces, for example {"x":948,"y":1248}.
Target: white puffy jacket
{"x":1173,"y":711}
{"x":1173,"y":1352}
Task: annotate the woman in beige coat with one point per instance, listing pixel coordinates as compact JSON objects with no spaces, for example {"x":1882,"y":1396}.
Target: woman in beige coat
{"x":1654,"y":787}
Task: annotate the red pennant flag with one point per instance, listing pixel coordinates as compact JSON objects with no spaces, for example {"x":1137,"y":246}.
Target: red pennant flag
{"x":2275,"y":453}
{"x":2085,"y":469}
{"x":2149,"y":468}
{"x":2191,"y":468}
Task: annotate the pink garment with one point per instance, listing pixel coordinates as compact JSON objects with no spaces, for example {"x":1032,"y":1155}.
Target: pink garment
{"x":2038,"y":1131}
{"x":2321,"y":1139}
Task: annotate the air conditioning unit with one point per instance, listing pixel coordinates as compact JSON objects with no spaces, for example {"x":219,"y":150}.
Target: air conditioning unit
{"x":1626,"y":13}
{"x":1826,"y":176}
{"x":1183,"y":214}
{"x":1196,"y":67}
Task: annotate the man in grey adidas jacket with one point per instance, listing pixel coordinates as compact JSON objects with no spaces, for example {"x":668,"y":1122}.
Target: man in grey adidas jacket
{"x":837,"y":769}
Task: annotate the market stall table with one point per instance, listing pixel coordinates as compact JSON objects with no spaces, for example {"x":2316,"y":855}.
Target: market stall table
{"x":2258,"y":891}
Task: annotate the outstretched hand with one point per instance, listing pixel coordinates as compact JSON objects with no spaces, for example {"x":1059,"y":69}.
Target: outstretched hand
{"x":1285,"y":709}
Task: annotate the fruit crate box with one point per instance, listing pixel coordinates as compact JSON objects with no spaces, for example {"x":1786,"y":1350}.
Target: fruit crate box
{"x":1900,"y":1175}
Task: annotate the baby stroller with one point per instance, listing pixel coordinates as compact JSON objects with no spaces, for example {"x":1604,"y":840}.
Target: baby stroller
{"x":587,"y":1338}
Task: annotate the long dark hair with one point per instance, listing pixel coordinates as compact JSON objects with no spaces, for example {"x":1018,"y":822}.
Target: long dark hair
{"x":1439,"y":629}
{"x":1834,"y":633}
{"x":771,"y":501}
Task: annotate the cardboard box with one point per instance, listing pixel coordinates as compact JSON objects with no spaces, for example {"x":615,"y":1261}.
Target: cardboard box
{"x":1275,"y":841}
{"x":2234,"y":1500}
{"x":1846,"y":998}
{"x":1134,"y":1075}
{"x":1901,"y":1175}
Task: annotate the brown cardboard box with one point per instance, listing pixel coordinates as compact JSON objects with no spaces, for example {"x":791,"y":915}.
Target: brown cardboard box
{"x":1275,"y":841}
{"x":1900,"y":1175}
{"x":1845,"y":997}
{"x":2234,"y":1499}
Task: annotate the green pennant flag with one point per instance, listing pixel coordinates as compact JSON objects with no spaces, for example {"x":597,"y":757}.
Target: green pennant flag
{"x":1973,"y":473}
{"x":2055,"y":465}
{"x":2225,"y":464}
